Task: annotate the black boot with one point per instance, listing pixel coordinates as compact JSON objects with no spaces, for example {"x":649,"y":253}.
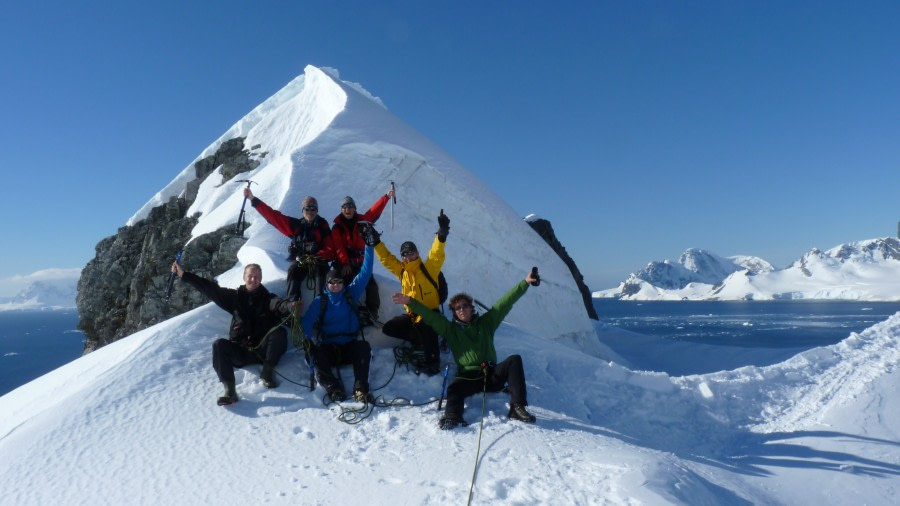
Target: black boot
{"x":518,"y":412}
{"x":336,"y":394}
{"x":361,"y":393}
{"x":267,"y":376}
{"x":431,"y":368}
{"x":230,"y":396}
{"x":451,"y":422}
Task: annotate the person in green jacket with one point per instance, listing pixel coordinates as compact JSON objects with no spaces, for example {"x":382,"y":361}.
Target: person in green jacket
{"x":471,"y":339}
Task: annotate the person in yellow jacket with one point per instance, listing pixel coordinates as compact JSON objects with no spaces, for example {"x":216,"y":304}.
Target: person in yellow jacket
{"x":415,"y":283}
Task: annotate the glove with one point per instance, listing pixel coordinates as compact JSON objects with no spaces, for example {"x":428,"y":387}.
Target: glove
{"x":443,"y":226}
{"x":371,"y":236}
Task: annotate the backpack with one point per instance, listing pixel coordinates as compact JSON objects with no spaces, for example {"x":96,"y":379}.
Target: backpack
{"x":441,"y":285}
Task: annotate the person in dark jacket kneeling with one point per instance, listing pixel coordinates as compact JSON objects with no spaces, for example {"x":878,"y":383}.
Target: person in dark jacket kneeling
{"x":255,"y":336}
{"x":471,"y":339}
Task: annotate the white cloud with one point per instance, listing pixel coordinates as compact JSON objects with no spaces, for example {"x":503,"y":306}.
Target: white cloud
{"x":11,"y":286}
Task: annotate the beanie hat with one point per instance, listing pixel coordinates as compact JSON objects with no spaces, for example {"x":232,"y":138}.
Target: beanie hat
{"x":348,"y":201}
{"x":333,"y":274}
{"x":408,"y":247}
{"x":309,"y":201}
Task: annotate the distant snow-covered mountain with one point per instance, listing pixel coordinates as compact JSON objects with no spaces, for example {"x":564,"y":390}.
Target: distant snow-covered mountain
{"x":58,"y":293}
{"x":864,"y":270}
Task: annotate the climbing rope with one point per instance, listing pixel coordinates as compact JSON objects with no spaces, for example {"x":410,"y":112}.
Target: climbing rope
{"x":480,"y":432}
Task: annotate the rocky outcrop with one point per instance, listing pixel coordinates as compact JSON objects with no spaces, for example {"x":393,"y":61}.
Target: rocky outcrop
{"x":122,"y":290}
{"x":545,"y":230}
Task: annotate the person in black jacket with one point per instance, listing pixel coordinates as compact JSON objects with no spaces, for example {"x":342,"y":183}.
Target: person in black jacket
{"x":255,"y":336}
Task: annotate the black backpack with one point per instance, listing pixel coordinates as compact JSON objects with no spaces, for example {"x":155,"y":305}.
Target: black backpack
{"x":441,"y":285}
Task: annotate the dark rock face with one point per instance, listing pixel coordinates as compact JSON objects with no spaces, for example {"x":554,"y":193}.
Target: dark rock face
{"x":122,"y":290}
{"x":545,"y":230}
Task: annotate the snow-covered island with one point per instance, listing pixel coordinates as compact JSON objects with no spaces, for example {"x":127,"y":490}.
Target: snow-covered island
{"x":864,"y":270}
{"x":135,"y":422}
{"x":50,"y":289}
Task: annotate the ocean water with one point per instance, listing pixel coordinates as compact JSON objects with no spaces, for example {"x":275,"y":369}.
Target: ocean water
{"x":33,"y":343}
{"x":748,"y":324}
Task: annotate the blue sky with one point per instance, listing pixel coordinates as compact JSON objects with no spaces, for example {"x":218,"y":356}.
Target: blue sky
{"x":640,"y":129}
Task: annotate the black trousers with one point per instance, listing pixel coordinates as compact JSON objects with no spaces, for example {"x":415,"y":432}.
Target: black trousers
{"x":403,"y":327}
{"x":297,"y":274}
{"x":227,"y":354}
{"x":357,"y":353}
{"x":509,"y":373}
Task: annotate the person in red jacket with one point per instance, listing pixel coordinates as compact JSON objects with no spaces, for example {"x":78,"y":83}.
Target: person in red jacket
{"x":310,"y":249}
{"x":349,"y":245}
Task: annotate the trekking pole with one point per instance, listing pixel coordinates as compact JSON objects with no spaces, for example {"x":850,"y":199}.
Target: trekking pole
{"x":393,"y":203}
{"x":239,"y":228}
{"x":444,"y":386}
{"x":172,"y":277}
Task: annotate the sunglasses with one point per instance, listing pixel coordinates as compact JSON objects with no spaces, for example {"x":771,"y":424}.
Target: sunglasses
{"x":348,"y":206}
{"x":335,"y":281}
{"x":407,"y":253}
{"x":310,"y":208}
{"x":460,"y":307}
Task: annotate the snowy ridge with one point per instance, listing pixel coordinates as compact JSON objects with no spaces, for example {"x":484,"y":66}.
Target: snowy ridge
{"x":863,"y":270}
{"x":323,"y":137}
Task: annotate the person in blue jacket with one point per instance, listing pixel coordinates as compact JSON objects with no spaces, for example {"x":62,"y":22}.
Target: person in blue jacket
{"x":332,"y":323}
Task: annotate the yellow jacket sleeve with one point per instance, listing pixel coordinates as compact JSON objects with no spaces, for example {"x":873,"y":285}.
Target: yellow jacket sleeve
{"x":388,"y":260}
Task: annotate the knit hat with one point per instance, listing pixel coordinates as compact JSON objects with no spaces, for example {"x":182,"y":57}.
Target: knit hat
{"x":333,"y":274}
{"x":348,"y":201}
{"x":309,"y":201}
{"x":408,"y":247}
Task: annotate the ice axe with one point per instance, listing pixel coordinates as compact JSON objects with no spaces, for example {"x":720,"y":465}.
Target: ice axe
{"x":393,"y":203}
{"x":444,"y":386}
{"x":172,"y":278}
{"x":239,"y":228}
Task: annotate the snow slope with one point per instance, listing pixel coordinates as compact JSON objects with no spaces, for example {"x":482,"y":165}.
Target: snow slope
{"x":136,"y":423}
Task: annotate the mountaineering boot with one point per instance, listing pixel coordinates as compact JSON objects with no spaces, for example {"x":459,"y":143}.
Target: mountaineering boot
{"x":431,"y":368}
{"x":451,"y":422}
{"x":335,"y":393}
{"x":230,"y":396}
{"x":363,"y":396}
{"x":267,"y":376}
{"x":361,"y":392}
{"x":518,"y":412}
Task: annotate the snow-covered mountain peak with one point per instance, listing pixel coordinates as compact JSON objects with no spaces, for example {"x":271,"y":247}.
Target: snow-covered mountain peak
{"x":328,"y":138}
{"x":47,"y":289}
{"x":707,"y":266}
{"x":872,"y":250}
